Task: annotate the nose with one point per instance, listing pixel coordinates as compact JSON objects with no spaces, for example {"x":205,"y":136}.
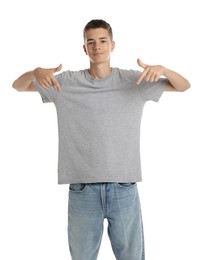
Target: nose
{"x":96,"y":46}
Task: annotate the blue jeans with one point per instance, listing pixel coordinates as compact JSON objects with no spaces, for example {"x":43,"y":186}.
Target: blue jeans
{"x":89,"y":205}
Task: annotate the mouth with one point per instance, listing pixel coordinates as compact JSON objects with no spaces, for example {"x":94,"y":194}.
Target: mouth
{"x":97,"y":54}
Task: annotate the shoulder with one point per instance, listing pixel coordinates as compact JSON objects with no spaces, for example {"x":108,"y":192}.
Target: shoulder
{"x":127,"y":74}
{"x":70,"y":75}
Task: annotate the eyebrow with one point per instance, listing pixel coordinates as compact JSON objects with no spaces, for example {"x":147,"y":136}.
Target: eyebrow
{"x":101,"y":38}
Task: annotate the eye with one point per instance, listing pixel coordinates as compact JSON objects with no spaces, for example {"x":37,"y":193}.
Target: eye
{"x":90,"y":43}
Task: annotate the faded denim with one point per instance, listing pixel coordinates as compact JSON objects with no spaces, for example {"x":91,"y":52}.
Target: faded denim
{"x":89,"y":205}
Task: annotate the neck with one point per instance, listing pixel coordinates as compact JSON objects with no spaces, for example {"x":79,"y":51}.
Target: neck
{"x":99,"y":71}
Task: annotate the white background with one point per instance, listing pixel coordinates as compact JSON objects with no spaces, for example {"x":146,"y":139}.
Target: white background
{"x":33,"y":208}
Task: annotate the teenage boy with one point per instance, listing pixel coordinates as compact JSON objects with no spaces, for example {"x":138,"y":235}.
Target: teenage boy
{"x":99,"y":113}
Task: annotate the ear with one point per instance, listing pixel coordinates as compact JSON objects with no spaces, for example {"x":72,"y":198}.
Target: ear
{"x":113,"y":45}
{"x":85,"y":50}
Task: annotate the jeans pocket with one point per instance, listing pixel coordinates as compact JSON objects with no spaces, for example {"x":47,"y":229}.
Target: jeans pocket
{"x":126,"y":184}
{"x":77,"y":187}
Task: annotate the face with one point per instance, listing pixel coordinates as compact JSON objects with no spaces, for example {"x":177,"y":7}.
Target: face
{"x":98,"y":45}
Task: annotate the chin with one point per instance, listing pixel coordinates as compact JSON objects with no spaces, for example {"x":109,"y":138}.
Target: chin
{"x":99,"y":61}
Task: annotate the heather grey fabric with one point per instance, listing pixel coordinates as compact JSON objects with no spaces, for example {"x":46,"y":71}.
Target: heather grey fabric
{"x":99,"y":124}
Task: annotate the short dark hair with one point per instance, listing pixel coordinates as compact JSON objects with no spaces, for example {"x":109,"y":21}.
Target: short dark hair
{"x":98,"y":23}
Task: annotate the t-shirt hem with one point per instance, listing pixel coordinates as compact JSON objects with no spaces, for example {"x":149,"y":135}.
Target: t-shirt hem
{"x":60,"y":181}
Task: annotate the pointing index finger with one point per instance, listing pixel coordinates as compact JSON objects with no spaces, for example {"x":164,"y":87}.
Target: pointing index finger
{"x":141,"y":76}
{"x":56,"y":84}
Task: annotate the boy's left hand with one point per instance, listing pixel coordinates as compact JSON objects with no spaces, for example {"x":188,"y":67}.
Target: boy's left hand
{"x":150,"y":73}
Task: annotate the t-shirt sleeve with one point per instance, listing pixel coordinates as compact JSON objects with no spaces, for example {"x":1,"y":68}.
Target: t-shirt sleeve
{"x":150,"y":91}
{"x":48,"y":94}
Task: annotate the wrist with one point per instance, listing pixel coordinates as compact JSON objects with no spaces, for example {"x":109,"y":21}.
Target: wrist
{"x":35,"y":73}
{"x":165,"y":72}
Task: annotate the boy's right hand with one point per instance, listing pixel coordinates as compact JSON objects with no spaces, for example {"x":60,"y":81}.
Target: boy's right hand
{"x":46,"y":78}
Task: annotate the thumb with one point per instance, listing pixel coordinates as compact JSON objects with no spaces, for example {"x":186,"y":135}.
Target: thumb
{"x":58,"y":68}
{"x":141,"y":64}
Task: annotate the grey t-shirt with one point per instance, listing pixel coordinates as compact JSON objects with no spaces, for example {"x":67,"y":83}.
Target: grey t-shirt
{"x":99,"y":124}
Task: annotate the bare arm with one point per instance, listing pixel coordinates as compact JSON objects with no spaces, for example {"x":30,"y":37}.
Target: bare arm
{"x":45,"y":78}
{"x":153,"y":73}
{"x":176,"y":81}
{"x":25,"y":82}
